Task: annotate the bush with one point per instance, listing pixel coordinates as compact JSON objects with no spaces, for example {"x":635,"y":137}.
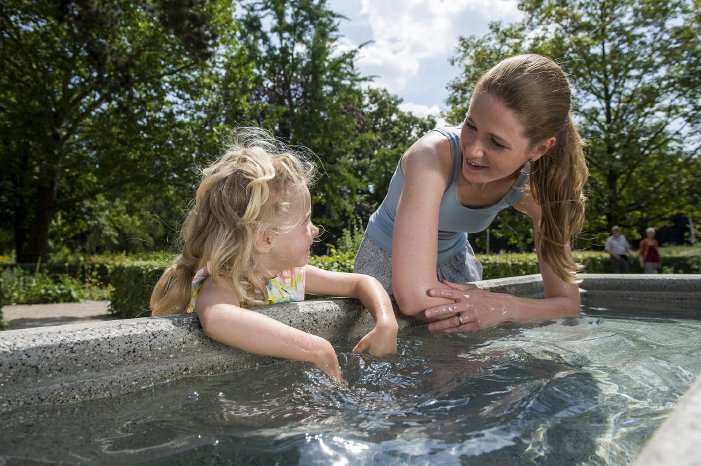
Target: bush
{"x":336,"y":261}
{"x":130,"y":279}
{"x":22,"y":287}
{"x":133,"y":283}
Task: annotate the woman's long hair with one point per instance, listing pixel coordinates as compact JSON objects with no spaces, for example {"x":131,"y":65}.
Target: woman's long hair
{"x":536,"y":88}
{"x":251,"y":188}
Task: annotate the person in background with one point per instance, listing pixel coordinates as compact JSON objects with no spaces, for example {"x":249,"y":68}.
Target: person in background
{"x":618,"y":248}
{"x":246,"y":242}
{"x":650,"y":259}
{"x":517,"y":147}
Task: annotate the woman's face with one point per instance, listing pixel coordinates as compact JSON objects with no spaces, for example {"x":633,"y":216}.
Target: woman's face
{"x":493,"y":143}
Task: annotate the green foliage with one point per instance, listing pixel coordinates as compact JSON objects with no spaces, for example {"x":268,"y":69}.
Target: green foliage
{"x":336,"y":261}
{"x":350,"y":240}
{"x":634,"y":70}
{"x":507,"y":265}
{"x":103,"y":105}
{"x":131,"y":278}
{"x":22,"y":287}
{"x":133,"y":283}
{"x":310,"y":93}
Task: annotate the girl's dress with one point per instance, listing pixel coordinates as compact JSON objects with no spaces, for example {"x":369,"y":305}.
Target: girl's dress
{"x":287,"y":286}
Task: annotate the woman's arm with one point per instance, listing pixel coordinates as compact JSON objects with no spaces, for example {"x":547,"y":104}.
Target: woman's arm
{"x":426,"y":167}
{"x":224,"y":321}
{"x":383,"y":338}
{"x":474,"y":308}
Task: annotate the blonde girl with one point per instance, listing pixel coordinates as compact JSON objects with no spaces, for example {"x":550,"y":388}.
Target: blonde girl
{"x":517,"y":147}
{"x":246,"y":242}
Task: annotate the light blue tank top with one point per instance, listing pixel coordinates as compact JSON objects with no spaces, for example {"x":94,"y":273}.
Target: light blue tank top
{"x":454,"y":219}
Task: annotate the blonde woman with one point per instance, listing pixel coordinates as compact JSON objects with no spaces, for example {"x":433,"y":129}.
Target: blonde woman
{"x":246,"y":242}
{"x":517,"y":147}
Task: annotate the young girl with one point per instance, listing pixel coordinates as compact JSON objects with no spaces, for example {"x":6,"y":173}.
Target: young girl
{"x":246,"y":242}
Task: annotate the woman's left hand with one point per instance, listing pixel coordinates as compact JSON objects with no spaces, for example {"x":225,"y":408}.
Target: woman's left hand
{"x":473,"y":309}
{"x":380,"y":341}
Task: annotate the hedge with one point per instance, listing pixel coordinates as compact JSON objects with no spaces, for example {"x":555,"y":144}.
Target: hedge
{"x":132,"y":285}
{"x":133,"y":280}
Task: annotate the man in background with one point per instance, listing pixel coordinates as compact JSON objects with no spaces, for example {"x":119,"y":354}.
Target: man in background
{"x":618,"y":247}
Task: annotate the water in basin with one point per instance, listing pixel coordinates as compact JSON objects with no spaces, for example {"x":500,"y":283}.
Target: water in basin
{"x":583,"y":390}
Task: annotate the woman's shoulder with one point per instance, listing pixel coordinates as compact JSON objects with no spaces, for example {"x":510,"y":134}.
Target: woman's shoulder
{"x":430,"y":150}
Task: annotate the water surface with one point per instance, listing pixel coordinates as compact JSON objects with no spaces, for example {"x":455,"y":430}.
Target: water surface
{"x":588,"y":390}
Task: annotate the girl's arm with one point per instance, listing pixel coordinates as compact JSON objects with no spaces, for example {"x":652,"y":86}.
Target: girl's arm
{"x":383,"y":338}
{"x":426,"y":167}
{"x":473,"y":308}
{"x":224,"y":321}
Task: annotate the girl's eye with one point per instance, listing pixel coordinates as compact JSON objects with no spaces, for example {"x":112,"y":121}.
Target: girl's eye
{"x":471,"y":126}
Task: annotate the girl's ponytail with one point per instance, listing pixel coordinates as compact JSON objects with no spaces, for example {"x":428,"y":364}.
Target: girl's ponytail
{"x":171,"y":295}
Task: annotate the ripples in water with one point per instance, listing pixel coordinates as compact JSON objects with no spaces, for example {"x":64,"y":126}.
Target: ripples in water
{"x":587,"y":390}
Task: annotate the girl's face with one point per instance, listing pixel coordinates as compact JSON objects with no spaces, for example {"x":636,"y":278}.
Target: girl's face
{"x":292,"y":248}
{"x":493,"y":143}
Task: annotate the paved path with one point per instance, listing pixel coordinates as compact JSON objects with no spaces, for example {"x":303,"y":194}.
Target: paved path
{"x":43,"y":315}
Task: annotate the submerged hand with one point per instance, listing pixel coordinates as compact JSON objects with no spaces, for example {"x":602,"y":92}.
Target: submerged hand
{"x":473,"y":309}
{"x":378,"y":342}
{"x":327,"y":361}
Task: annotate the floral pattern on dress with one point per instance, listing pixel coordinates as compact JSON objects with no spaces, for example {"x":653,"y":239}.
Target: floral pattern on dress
{"x":286,"y":287}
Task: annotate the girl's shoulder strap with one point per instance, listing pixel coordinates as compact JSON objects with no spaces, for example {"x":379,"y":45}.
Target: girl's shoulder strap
{"x":196,"y":287}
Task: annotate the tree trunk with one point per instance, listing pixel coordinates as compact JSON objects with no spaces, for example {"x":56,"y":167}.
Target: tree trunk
{"x":33,"y":244}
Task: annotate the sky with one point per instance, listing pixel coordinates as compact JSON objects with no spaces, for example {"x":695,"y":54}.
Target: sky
{"x":413,"y":40}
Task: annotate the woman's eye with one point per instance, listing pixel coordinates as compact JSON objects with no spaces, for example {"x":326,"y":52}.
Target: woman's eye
{"x":499,"y":145}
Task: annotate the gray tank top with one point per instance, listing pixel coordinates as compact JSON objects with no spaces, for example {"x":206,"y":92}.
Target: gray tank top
{"x":454,"y":219}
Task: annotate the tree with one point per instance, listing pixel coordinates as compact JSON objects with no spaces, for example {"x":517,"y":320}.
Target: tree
{"x":310,"y":93}
{"x":384,"y":132}
{"x":307,"y":92}
{"x":92,"y":97}
{"x":634,"y":69}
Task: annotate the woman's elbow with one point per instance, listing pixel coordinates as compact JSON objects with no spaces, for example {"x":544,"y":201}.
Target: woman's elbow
{"x":408,"y":303}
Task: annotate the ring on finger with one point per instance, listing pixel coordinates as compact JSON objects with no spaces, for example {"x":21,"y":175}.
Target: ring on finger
{"x":459,"y":319}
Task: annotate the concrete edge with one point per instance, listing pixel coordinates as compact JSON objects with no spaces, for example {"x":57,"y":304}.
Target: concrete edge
{"x":61,"y":364}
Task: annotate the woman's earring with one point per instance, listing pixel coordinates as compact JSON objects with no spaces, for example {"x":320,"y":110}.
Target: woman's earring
{"x":526,"y":167}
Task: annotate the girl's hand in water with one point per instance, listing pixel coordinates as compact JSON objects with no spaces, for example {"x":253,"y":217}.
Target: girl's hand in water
{"x":473,"y":309}
{"x":327,"y":361}
{"x":380,"y":341}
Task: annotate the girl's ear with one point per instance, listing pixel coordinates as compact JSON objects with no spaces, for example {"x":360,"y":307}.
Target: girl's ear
{"x":262,"y":241}
{"x":542,"y":148}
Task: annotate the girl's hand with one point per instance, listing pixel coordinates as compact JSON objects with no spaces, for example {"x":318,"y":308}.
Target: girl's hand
{"x":327,"y":361}
{"x":473,"y":309}
{"x":379,"y":341}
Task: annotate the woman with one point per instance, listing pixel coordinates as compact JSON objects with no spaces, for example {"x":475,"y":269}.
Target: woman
{"x":517,"y":147}
{"x":650,"y":259}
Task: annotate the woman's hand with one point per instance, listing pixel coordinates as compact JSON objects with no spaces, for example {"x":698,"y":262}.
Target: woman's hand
{"x":473,"y":309}
{"x":380,"y":341}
